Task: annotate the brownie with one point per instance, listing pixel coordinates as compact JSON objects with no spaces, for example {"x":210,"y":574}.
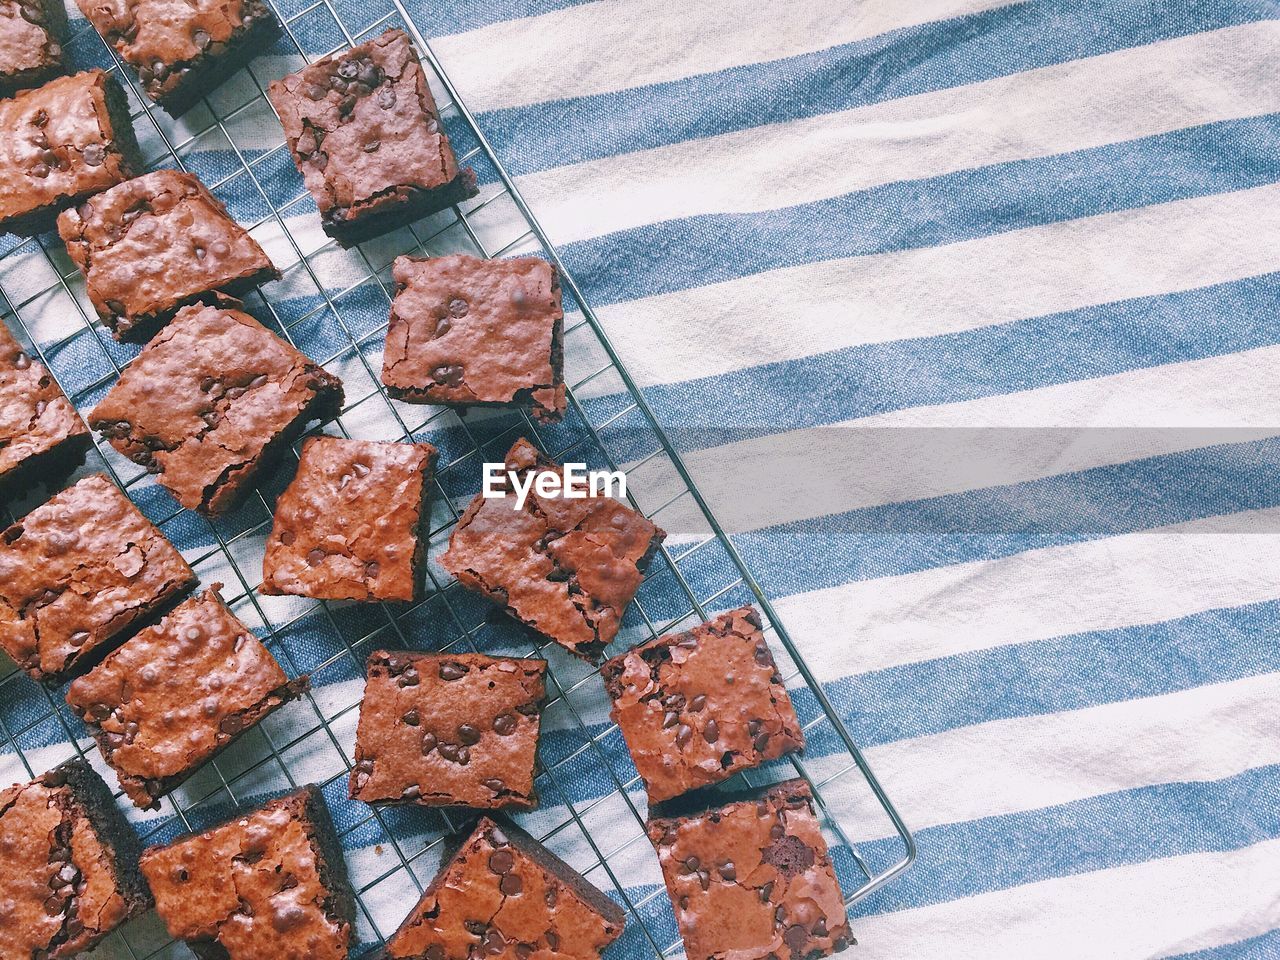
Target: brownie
{"x":565,"y":567}
{"x":182,"y":49}
{"x":697,"y":707}
{"x":349,"y":525}
{"x":366,"y":136}
{"x":30,"y":47}
{"x":77,"y":572}
{"x":210,"y":401}
{"x":178,"y":693}
{"x":58,"y":144}
{"x":268,"y":883}
{"x":41,"y":435}
{"x":471,"y":332}
{"x":504,"y":895}
{"x":155,"y":243}
{"x":70,"y":861}
{"x":752,"y":879}
{"x":442,"y":729}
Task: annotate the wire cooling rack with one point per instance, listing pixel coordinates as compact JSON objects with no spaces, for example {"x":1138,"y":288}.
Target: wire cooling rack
{"x":333,"y":304}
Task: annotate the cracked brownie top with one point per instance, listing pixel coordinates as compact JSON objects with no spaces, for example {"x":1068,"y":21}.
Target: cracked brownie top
{"x":752,"y":879}
{"x":363,"y":127}
{"x":150,"y":245}
{"x":449,"y":730}
{"x":76,"y":572}
{"x":177,"y":693}
{"x":565,"y":567}
{"x":268,"y":884}
{"x":60,"y":142}
{"x":467,"y":331}
{"x":69,"y":873}
{"x":697,"y":707}
{"x":505,"y":896}
{"x":209,"y":399}
{"x":349,"y":525}
{"x":35,"y":417}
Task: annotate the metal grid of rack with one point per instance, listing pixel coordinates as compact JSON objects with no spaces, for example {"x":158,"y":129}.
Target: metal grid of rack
{"x":332,"y":304}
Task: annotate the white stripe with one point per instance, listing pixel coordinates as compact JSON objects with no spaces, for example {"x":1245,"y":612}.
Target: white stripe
{"x":602,"y":47}
{"x":1084,"y":103}
{"x":1206,"y":733}
{"x":992,"y":441}
{"x":798,"y":311}
{"x":1102,"y":584}
{"x":1157,"y":909}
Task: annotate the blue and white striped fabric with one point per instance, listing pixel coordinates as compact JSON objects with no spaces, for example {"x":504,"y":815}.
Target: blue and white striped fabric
{"x":966,"y":316}
{"x":984,"y":296}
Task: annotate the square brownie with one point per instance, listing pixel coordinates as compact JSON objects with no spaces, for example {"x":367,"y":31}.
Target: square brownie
{"x":70,"y":860}
{"x":565,"y":567}
{"x":366,"y":136}
{"x":77,"y":572}
{"x":176,"y":694}
{"x":30,"y":47}
{"x":504,"y":895}
{"x":752,"y":878}
{"x":154,"y":244}
{"x":349,"y":525}
{"x":182,"y":51}
{"x":471,"y":332}
{"x":442,"y":729}
{"x":267,"y":883}
{"x":697,"y":707}
{"x":40,"y":432}
{"x":58,"y":144}
{"x":210,"y":401}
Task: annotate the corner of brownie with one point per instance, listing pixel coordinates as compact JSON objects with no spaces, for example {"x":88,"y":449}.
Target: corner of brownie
{"x":210,"y":401}
{"x":77,"y":572}
{"x":349,"y":525}
{"x":566,"y":567}
{"x":750,"y":877}
{"x":156,"y":243}
{"x":41,"y":434}
{"x":441,"y":729}
{"x":267,"y":882}
{"x":71,"y":865}
{"x":472,"y":332}
{"x":366,"y":136}
{"x":31,"y":33}
{"x":697,"y":707}
{"x":175,"y":695}
{"x":503,"y":893}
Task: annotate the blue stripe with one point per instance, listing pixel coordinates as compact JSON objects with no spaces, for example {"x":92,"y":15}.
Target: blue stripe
{"x":1003,"y":358}
{"x":996,"y":522}
{"x":1264,"y":947}
{"x":1198,"y":161}
{"x":1063,"y":673}
{"x":902,"y":63}
{"x":1132,"y":826}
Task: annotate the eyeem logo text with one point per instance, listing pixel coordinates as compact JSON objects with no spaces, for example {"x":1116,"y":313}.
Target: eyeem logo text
{"x":577,"y":483}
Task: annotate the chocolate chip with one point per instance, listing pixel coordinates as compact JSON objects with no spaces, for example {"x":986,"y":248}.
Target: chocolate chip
{"x":314,"y":91}
{"x":346,"y":105}
{"x":315,"y":557}
{"x":698,"y":703}
{"x":496,"y":785}
{"x":411,"y":718}
{"x":449,"y":374}
{"x":761,"y":743}
{"x":372,"y":146}
{"x":287,"y":916}
{"x":451,"y":670}
{"x":458,"y":307}
{"x":409,"y":678}
{"x":468,"y":734}
{"x":820,"y":928}
{"x":442,"y":327}
{"x":766,"y":891}
{"x":93,"y":154}
{"x":261,"y":379}
{"x":505,"y":725}
{"x":494,"y":942}
{"x":711,"y":732}
{"x":691,"y":864}
{"x":501,"y":861}
{"x":511,"y":885}
{"x":287,"y":537}
{"x":434,"y":952}
{"x":553,"y":938}
{"x":348,"y":69}
{"x":22,"y":361}
{"x":684,"y":735}
{"x":777,"y":831}
{"x":762,"y":656}
{"x":670,"y":719}
{"x":429,"y":741}
{"x":524,"y":951}
{"x":39,"y":170}
{"x":232,"y":725}
{"x":411,"y":792}
{"x":79,"y":638}
{"x":455,"y":752}
{"x":728,"y":871}
{"x":370,"y":74}
{"x":201,"y":39}
{"x":796,"y":937}
{"x":386,"y":98}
